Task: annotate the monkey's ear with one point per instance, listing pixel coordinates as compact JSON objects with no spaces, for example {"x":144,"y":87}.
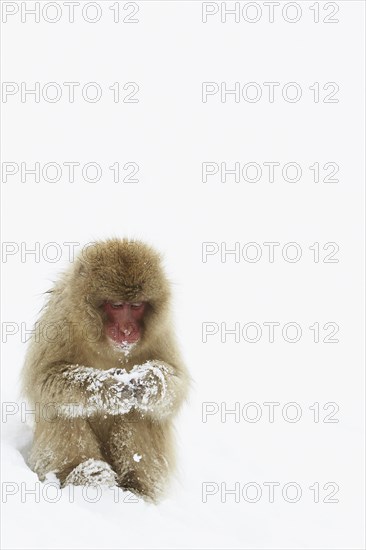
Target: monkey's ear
{"x":82,"y":270}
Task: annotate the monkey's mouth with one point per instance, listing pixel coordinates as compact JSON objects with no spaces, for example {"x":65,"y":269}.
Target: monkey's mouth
{"x":123,"y":335}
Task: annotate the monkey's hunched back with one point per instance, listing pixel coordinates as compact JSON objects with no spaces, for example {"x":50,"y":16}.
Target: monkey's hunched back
{"x":104,"y":373}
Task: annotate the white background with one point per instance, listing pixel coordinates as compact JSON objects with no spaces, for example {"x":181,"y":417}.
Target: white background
{"x":169,"y":133}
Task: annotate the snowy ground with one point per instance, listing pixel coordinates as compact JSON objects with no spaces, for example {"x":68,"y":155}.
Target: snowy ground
{"x":37,"y":515}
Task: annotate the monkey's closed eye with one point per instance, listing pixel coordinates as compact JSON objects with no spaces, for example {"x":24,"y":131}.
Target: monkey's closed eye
{"x":117,"y":305}
{"x":136,"y":305}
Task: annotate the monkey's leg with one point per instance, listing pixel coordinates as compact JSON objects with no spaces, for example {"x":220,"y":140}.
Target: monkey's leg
{"x":141,"y":454}
{"x":70,"y":449}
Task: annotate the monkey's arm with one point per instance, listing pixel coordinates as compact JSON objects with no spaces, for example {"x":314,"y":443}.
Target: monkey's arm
{"x":76,"y":390}
{"x":153,"y":388}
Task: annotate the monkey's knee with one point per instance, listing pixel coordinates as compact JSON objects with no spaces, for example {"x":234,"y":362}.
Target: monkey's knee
{"x":146,"y":478}
{"x":146,"y":487}
{"x":140,"y":456}
{"x":61,"y":446}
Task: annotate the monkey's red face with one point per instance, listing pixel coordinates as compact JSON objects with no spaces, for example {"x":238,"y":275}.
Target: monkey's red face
{"x":124,"y":321}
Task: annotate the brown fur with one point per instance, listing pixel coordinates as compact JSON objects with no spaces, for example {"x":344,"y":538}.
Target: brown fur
{"x":68,"y":354}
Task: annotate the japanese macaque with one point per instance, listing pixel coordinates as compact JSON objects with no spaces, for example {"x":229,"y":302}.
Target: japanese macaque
{"x":104,"y":372}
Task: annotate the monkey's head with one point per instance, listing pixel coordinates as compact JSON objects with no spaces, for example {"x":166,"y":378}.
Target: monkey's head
{"x":120,"y":288}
